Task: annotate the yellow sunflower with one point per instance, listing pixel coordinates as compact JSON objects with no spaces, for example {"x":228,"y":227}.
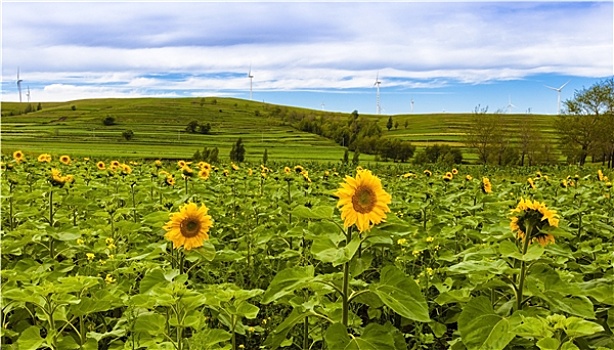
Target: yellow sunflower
{"x":234,"y":166}
{"x":362,"y":201}
{"x":287,"y":170}
{"x":181,"y":164}
{"x":428,"y":173}
{"x":189,"y":227}
{"x":468,"y":178}
{"x":299,"y":169}
{"x":448,"y":176}
{"x":187,"y":171}
{"x":115,"y":164}
{"x":19,"y":156}
{"x":203,"y":174}
{"x":158,"y":163}
{"x":599,"y":173}
{"x":455,"y":171}
{"x":486,"y":185}
{"x":170,"y":180}
{"x":538,"y":216}
{"x":531,"y":183}
{"x":65,"y":159}
{"x":44,"y":158}
{"x":100,"y":165}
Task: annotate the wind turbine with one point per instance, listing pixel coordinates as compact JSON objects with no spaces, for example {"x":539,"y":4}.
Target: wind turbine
{"x":412,"y":105}
{"x":251,"y":80}
{"x":19,"y":84}
{"x":322,"y":106}
{"x":377,"y":84}
{"x":28,"y":94}
{"x":558,"y":92}
{"x":510,"y":105}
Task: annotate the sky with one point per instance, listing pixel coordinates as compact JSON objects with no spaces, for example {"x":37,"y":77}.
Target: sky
{"x":429,"y":57}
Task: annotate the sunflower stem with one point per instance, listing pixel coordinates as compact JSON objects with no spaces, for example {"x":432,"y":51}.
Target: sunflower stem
{"x":346,"y":282}
{"x":523,"y":265}
{"x":11,"y":186}
{"x":51,"y":248}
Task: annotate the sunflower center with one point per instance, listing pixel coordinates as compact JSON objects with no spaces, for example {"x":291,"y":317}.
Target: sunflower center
{"x":363,"y":199}
{"x":190,"y":228}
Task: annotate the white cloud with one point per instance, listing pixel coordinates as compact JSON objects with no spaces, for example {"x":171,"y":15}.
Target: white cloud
{"x":118,"y":48}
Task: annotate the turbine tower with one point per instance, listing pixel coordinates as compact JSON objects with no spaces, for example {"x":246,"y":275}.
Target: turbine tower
{"x":19,"y":84}
{"x":28,"y":94}
{"x":377,"y":84}
{"x":510,"y":105}
{"x":558,"y":92}
{"x":251,"y":80}
{"x":412,"y":105}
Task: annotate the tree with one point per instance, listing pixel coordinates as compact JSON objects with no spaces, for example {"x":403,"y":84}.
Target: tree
{"x":237,"y":153}
{"x":439,"y":154}
{"x":346,"y":157}
{"x":356,"y":158}
{"x":265,"y":156}
{"x":588,"y":125}
{"x":389,"y":124}
{"x":108,"y":121}
{"x":484,"y":134}
{"x":39,"y":106}
{"x":128,"y":135}
{"x":406,"y":124}
{"x":191,"y":128}
{"x":204,"y":129}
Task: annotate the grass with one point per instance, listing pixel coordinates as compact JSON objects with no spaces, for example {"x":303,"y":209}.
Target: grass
{"x":76,"y":128}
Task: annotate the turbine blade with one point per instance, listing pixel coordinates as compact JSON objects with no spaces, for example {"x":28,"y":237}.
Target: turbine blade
{"x":562,"y":86}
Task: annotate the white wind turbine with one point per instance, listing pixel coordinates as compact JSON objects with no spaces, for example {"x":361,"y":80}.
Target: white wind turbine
{"x":558,"y":92}
{"x":28,"y":94}
{"x":412,"y":105}
{"x":510,"y":105}
{"x":251,"y":80}
{"x":19,"y":84}
{"x":377,"y":84}
{"x":322,"y":106}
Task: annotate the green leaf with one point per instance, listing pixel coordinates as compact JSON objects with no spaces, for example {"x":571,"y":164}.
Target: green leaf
{"x":548,"y":344}
{"x":401,"y":294}
{"x":279,"y":334}
{"x":481,"y":328}
{"x":577,"y":327}
{"x":150,"y":323}
{"x":579,"y":306}
{"x":209,"y":338}
{"x":438,"y":329}
{"x":156,"y":219}
{"x":152,"y":278}
{"x":30,"y":339}
{"x":247,"y":310}
{"x":319,"y":212}
{"x":336,"y":336}
{"x":326,"y":250}
{"x":374,"y":337}
{"x":287,"y":281}
{"x":569,"y":345}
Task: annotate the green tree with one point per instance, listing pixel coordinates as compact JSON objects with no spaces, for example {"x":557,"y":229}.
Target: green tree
{"x":484,"y":134}
{"x":237,"y":153}
{"x":128,"y":135}
{"x":192,"y":126}
{"x":39,"y":106}
{"x":265,"y":156}
{"x":356,"y":158}
{"x":346,"y":157}
{"x":108,"y":120}
{"x":389,"y":124}
{"x":588,"y":125}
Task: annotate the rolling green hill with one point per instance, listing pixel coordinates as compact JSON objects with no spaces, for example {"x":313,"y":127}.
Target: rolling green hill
{"x":76,"y":128}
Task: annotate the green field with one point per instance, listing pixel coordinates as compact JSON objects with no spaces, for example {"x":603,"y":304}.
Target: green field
{"x":159,"y":128}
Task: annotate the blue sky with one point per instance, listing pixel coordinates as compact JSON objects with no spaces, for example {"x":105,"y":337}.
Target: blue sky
{"x":445,"y":56}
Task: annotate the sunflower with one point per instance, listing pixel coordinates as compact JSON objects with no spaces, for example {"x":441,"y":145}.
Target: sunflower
{"x":189,"y":227}
{"x":100,"y":165}
{"x":428,"y":173}
{"x":363,"y":201}
{"x":455,"y":171}
{"x":234,"y":166}
{"x":531,"y":183}
{"x":44,"y":158}
{"x":56,"y":178}
{"x":287,"y":170}
{"x":468,"y":178}
{"x":181,"y":164}
{"x":486,"y":185}
{"x":599,"y":173}
{"x":299,"y":169}
{"x":187,"y":171}
{"x":448,"y":176}
{"x":19,"y":156}
{"x":538,"y":217}
{"x":115,"y":163}
{"x":250,"y":172}
{"x":65,"y":159}
{"x":169,"y":180}
{"x":204,"y":174}
{"x":126,"y":169}
{"x":158,"y":163}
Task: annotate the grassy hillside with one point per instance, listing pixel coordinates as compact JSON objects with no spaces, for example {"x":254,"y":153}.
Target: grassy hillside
{"x":76,"y":128}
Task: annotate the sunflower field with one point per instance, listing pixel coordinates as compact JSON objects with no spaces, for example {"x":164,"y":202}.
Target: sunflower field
{"x":112,"y":254}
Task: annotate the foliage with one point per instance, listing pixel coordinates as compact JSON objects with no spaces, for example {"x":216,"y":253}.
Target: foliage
{"x":395,"y":150}
{"x":439,"y":154}
{"x":108,"y":120}
{"x":237,"y":153}
{"x":87,"y":266}
{"x":588,"y":126}
{"x":128,"y":134}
